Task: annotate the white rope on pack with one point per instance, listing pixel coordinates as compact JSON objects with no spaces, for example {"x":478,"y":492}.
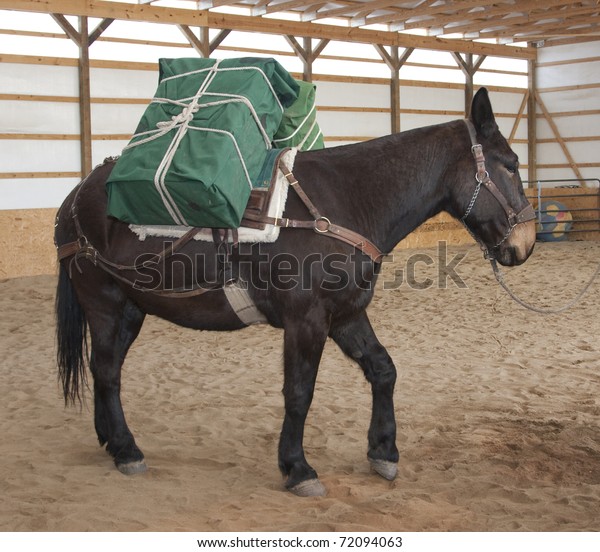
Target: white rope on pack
{"x":299,"y":127}
{"x":267,"y":81}
{"x":183,"y":117}
{"x":237,"y":98}
{"x":195,"y":72}
{"x":223,"y":69}
{"x":183,"y":102}
{"x":181,"y":121}
{"x":165,"y":127}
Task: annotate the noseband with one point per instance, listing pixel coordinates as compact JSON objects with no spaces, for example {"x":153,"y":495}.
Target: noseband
{"x":482,"y":177}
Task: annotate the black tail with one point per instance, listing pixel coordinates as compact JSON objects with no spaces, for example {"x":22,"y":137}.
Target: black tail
{"x":71,"y":336}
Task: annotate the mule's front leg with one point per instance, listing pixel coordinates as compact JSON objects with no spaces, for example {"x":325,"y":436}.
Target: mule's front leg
{"x":303,"y":346}
{"x":357,"y":340}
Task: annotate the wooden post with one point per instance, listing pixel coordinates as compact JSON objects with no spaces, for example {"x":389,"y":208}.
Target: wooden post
{"x":531,"y":122}
{"x":85,"y":110}
{"x":84,"y":39}
{"x":307,"y":61}
{"x":394,"y":61}
{"x":469,"y":84}
{"x":203,"y":45}
{"x":469,"y":68}
{"x":307,"y":53}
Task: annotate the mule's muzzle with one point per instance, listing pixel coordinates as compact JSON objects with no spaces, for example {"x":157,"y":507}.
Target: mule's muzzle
{"x":518,"y":246}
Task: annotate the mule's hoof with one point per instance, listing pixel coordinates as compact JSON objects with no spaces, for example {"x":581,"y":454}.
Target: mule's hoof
{"x":388,"y":470}
{"x":310,"y":487}
{"x":131,"y":468}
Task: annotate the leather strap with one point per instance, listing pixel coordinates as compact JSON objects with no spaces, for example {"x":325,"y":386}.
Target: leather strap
{"x":81,"y":248}
{"x":68,"y":250}
{"x":320,"y":224}
{"x":325,"y":227}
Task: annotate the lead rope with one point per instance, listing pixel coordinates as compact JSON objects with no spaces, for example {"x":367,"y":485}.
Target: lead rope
{"x":542,"y":310}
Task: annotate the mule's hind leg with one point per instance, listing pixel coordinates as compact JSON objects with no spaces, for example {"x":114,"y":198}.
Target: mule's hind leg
{"x":110,"y":344}
{"x":357,"y":340}
{"x":114,"y":322}
{"x":303,"y":346}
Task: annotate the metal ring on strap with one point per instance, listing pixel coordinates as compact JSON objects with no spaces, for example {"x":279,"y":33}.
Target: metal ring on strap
{"x":326,"y":221}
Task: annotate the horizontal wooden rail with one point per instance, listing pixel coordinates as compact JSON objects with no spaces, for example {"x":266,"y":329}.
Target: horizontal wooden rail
{"x":51,"y":174}
{"x":244,"y":49}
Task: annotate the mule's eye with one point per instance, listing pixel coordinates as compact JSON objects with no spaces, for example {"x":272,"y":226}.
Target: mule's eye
{"x":512,"y":169}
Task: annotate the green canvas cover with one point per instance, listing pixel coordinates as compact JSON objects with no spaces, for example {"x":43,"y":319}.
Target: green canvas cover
{"x":201,"y":142}
{"x":299,"y":126}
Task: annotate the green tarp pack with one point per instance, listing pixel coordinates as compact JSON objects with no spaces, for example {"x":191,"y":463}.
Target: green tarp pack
{"x":299,"y":126}
{"x":201,"y":143}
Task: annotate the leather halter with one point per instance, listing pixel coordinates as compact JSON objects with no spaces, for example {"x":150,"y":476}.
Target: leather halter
{"x":482,"y":178}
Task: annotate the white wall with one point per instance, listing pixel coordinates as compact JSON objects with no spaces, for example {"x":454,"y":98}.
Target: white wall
{"x":581,"y":71}
{"x":431,"y":84}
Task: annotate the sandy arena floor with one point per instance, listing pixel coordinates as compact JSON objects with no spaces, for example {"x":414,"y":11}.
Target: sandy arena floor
{"x":498,"y":415}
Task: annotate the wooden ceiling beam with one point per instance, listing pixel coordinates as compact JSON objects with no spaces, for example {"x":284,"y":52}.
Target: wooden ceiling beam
{"x":346,"y":34}
{"x":355,"y":9}
{"x":544,"y":29}
{"x":281,"y":6}
{"x":429,"y":10}
{"x":114,"y":10}
{"x":518,"y":22}
{"x":156,"y":14}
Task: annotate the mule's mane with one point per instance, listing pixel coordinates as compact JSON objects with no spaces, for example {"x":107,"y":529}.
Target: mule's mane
{"x":386,"y":186}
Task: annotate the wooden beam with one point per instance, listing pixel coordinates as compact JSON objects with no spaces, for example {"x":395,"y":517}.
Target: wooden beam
{"x":85,"y":112}
{"x":157,"y":14}
{"x":70,"y":31}
{"x":83,"y":41}
{"x":431,"y":9}
{"x":558,"y":137}
{"x":217,"y":41}
{"x":474,"y":21}
{"x":515,"y":127}
{"x":307,"y":53}
{"x":531,"y":121}
{"x":100,"y":28}
{"x":44,"y":175}
{"x":202,"y":44}
{"x":469,"y":68}
{"x":103,"y":9}
{"x":394,"y":61}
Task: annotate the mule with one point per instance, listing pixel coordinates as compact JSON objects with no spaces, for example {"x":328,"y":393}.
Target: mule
{"x":382,"y":189}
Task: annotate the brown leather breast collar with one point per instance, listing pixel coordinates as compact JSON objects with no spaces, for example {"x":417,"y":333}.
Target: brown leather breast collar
{"x":320,"y":224}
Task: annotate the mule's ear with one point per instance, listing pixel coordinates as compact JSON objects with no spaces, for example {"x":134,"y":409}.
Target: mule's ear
{"x":482,"y":115}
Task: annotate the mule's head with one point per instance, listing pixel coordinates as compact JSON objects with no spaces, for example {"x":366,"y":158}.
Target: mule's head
{"x":491,"y":202}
